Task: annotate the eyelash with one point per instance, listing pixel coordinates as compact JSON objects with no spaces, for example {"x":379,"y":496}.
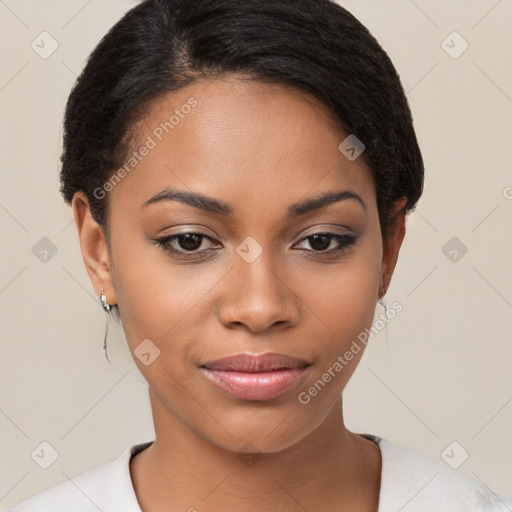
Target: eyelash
{"x":345,"y":241}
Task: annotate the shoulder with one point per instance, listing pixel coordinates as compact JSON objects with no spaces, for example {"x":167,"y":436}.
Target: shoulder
{"x":423,"y":485}
{"x":107,"y":488}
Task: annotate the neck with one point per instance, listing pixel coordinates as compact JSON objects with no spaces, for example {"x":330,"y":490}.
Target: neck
{"x":330,"y":469}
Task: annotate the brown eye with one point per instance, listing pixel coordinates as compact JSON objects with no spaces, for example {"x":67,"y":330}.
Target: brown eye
{"x":183,"y":243}
{"x":189,"y":241}
{"x":321,"y":242}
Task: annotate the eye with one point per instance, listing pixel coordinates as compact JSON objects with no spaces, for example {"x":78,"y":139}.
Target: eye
{"x":184,"y":243}
{"x":321,"y":243}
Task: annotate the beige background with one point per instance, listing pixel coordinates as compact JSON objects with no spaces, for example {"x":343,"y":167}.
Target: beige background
{"x":441,"y":373}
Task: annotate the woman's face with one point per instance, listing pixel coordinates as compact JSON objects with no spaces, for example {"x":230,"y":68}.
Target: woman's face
{"x":253,"y":280}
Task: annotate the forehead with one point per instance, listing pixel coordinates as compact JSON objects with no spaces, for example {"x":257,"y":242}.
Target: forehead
{"x":241,"y":141}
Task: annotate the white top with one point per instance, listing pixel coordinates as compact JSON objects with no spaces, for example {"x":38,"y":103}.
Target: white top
{"x":409,"y":483}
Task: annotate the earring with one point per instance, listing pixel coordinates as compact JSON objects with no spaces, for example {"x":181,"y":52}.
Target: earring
{"x":106,"y":307}
{"x":381,"y":301}
{"x":104,"y":303}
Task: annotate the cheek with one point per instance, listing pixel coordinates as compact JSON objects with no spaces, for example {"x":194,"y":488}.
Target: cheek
{"x":160,"y":300}
{"x":341,"y":302}
{"x":344,"y":295}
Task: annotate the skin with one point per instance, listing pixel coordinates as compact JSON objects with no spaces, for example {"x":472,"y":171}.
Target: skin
{"x":260,"y":148}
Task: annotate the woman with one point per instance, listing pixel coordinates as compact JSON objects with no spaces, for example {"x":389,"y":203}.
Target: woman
{"x":240,"y":172}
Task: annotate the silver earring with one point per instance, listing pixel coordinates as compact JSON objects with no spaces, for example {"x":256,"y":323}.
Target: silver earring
{"x":106,"y":307}
{"x":381,"y":301}
{"x":104,"y":303}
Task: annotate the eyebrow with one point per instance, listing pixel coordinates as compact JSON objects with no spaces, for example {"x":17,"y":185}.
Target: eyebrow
{"x":211,"y":205}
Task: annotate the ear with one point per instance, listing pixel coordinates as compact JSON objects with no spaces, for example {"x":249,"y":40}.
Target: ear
{"x":393,"y":243}
{"x":94,"y":248}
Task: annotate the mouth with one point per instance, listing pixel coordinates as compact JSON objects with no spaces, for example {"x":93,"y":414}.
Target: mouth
{"x":251,"y":377}
{"x":249,"y":363}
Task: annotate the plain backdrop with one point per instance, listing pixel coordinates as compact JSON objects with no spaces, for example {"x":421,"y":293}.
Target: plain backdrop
{"x":441,"y":371}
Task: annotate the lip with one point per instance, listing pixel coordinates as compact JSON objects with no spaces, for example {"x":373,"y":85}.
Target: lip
{"x":255,"y":377}
{"x":249,"y":363}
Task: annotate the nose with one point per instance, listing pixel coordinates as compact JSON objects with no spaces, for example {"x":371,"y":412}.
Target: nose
{"x":258,"y":297}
